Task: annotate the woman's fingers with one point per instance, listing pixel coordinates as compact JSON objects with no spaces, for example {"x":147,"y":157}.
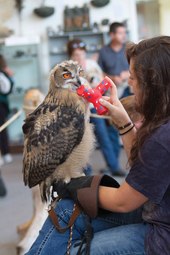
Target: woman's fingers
{"x":106,"y":103}
{"x":113,"y":93}
{"x":106,"y":98}
{"x":113,"y":90}
{"x":109,"y":80}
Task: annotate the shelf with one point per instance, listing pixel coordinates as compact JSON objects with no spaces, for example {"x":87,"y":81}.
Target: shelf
{"x":86,"y":34}
{"x":24,"y":62}
{"x":76,"y":33}
{"x":56,"y":36}
{"x":58,"y":53}
{"x":65,"y":53}
{"x":94,"y":42}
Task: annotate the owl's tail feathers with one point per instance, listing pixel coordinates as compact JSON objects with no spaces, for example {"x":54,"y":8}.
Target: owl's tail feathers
{"x":25,"y":174}
{"x":45,"y":191}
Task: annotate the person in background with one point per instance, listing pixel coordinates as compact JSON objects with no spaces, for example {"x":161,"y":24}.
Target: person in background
{"x":114,"y":64}
{"x":76,"y":49}
{"x":3,"y":189}
{"x":6,"y":85}
{"x":112,"y":58}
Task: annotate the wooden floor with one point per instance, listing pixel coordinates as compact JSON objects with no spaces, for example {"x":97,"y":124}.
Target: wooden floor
{"x":16,"y":207}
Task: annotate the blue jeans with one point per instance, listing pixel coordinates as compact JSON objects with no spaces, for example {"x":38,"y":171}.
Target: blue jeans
{"x":126,"y":92}
{"x":114,"y":233}
{"x":108,"y":139}
{"x":88,"y":170}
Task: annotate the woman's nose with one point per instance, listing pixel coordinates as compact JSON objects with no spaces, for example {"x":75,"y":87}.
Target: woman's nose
{"x":129,"y":82}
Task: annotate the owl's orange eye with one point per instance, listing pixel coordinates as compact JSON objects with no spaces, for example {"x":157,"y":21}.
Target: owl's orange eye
{"x":67,"y":75}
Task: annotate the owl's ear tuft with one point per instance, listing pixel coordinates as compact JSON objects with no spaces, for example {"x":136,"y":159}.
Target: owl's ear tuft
{"x":53,"y":80}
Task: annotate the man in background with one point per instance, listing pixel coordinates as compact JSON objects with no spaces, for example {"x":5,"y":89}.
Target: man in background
{"x":114,"y":64}
{"x":112,"y":58}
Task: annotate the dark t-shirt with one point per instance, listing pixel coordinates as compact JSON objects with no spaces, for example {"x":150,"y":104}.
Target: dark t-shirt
{"x":152,"y":178}
{"x":113,"y":62}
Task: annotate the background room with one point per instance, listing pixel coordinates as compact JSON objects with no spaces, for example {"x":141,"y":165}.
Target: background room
{"x":34,"y":37}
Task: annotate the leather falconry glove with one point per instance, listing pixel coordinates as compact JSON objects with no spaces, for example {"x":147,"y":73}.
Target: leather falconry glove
{"x":84,"y":191}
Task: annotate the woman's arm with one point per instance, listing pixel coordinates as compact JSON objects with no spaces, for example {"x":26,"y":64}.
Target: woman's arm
{"x":123,"y":199}
{"x":128,"y":140}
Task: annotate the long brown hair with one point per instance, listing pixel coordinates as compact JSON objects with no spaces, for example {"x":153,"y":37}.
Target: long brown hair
{"x":151,"y":60}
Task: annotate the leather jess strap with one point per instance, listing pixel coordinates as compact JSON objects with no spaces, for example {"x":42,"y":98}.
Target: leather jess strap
{"x":55,"y":221}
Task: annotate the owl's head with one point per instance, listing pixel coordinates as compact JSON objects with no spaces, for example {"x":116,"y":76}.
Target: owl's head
{"x":67,"y":75}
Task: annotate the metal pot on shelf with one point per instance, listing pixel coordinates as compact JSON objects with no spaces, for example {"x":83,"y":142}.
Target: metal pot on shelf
{"x":44,"y":11}
{"x":99,"y":3}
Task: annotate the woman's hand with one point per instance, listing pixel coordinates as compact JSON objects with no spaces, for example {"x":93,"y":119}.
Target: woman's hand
{"x":119,"y":115}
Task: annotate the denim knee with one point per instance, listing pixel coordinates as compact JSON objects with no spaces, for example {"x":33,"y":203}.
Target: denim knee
{"x":64,"y":206}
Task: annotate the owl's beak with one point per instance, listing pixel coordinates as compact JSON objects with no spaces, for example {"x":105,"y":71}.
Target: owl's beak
{"x":78,"y":82}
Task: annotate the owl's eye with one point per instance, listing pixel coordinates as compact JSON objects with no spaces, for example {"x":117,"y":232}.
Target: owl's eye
{"x":67,"y":75}
{"x":81,"y":73}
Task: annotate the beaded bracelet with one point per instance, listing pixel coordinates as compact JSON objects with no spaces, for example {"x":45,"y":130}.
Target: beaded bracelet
{"x":127,"y":130}
{"x":125,"y":126}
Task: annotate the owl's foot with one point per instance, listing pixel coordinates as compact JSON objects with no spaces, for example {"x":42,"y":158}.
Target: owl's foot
{"x":74,"y":175}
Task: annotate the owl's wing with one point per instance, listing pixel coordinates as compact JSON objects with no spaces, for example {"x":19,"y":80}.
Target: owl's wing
{"x":51,"y":133}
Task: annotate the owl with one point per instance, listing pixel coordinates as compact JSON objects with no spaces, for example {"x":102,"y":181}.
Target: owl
{"x":58,"y":138}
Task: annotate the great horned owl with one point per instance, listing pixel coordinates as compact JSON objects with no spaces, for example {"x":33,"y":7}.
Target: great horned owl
{"x":58,"y":137}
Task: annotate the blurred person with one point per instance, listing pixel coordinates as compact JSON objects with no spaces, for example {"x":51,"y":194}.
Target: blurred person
{"x":112,"y":58}
{"x":76,"y":49}
{"x":3,"y":190}
{"x":114,"y":64}
{"x":6,"y":85}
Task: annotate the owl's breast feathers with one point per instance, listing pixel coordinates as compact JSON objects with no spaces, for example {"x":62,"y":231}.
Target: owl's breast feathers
{"x":51,"y":132}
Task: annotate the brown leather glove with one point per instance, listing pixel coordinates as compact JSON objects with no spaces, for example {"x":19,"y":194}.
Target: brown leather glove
{"x":84,"y":191}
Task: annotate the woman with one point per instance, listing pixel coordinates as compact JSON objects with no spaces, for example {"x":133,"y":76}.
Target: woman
{"x":76,"y":50}
{"x":107,"y":136}
{"x":147,"y":186}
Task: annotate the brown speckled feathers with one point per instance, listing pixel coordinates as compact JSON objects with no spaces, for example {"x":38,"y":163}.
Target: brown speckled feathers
{"x":51,"y":133}
{"x":58,"y":138}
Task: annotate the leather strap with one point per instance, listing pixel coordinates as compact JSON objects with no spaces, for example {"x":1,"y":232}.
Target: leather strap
{"x":88,"y":197}
{"x":96,"y":181}
{"x":55,"y":221}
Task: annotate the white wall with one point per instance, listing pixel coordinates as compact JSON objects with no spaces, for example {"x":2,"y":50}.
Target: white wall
{"x":32,"y":25}
{"x":164,"y":16}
